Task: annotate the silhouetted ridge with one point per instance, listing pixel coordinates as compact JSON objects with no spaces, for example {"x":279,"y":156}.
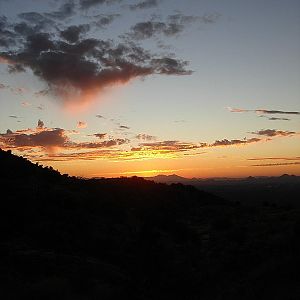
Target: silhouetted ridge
{"x":66,"y":238}
{"x":14,"y":167}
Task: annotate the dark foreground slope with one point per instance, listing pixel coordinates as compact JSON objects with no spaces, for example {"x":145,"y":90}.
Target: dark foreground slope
{"x":66,"y":238}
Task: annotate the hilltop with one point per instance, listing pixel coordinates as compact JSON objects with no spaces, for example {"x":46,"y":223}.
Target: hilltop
{"x":130,"y":238}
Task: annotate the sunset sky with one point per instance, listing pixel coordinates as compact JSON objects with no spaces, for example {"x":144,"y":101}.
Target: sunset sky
{"x":200,"y":88}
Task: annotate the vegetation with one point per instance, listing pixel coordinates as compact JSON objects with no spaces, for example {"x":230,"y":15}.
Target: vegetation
{"x":128,"y":238}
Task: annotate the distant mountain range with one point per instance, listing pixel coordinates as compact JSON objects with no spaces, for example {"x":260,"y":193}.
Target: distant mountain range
{"x":285,"y":178}
{"x":281,"y":190}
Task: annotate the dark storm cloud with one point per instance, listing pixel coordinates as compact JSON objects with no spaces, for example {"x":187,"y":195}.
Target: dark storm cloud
{"x":144,"y":4}
{"x":273,"y":132}
{"x":73,"y":33}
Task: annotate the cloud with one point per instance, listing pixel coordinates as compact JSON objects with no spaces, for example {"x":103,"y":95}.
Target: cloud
{"x":46,"y":139}
{"x":265,"y":111}
{"x":144,"y":4}
{"x":275,"y":118}
{"x":100,"y":135}
{"x":55,"y":144}
{"x":274,"y":158}
{"x":170,"y":66}
{"x":34,"y":22}
{"x":85,"y":4}
{"x":73,"y":33}
{"x":145,"y":137}
{"x":124,"y":127}
{"x":100,"y":117}
{"x":278,"y":119}
{"x":7,"y":36}
{"x":81,"y":124}
{"x":49,"y":140}
{"x":104,"y":144}
{"x":276,"y":164}
{"x":40,"y":124}
{"x":26,"y":104}
{"x":238,"y":110}
{"x":15,"y":90}
{"x":103,"y":20}
{"x":75,"y":72}
{"x":169,"y":146}
{"x":284,"y":161}
{"x":13,"y":116}
{"x":273,"y":132}
{"x":174,"y":25}
{"x":226,"y":142}
{"x":66,"y":10}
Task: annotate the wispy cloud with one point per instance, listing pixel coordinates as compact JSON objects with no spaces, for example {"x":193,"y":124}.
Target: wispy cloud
{"x":273,"y":132}
{"x":103,"y":20}
{"x":274,"y":158}
{"x":26,"y":104}
{"x":146,"y":137}
{"x":85,"y":4}
{"x":100,"y":135}
{"x":81,"y":124}
{"x":265,"y":112}
{"x":276,"y":164}
{"x":235,"y":142}
{"x":174,"y":25}
{"x":144,"y":4}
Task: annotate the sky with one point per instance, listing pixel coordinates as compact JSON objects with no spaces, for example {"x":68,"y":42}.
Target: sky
{"x":109,"y":88}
